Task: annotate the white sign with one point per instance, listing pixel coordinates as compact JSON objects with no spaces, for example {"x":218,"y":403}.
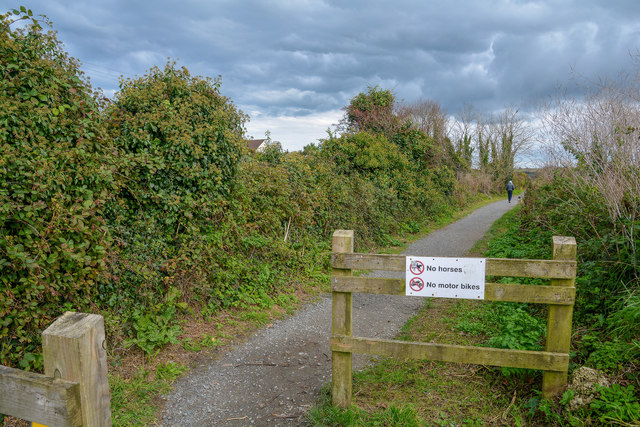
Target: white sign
{"x":445,"y":277}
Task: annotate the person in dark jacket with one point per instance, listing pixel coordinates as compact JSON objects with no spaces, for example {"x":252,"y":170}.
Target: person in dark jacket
{"x":510,"y":187}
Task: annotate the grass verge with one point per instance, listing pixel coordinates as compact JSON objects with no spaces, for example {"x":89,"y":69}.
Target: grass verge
{"x":497,"y":228}
{"x":397,"y":392}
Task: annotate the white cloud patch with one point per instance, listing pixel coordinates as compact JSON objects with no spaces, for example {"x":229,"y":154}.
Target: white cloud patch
{"x":294,"y":132}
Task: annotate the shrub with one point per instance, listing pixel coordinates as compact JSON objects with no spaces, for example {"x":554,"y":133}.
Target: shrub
{"x":180,"y":141}
{"x":55,"y":178}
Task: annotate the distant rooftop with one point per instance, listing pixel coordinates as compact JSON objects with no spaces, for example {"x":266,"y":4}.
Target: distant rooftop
{"x":254,"y":144}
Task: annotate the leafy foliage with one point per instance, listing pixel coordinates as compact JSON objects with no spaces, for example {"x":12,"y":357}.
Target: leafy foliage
{"x":156,"y":327}
{"x":605,"y":313}
{"x":170,"y":371}
{"x":617,"y":405}
{"x":373,"y":111}
{"x":519,"y":330}
{"x":365,"y":152}
{"x":180,"y":141}
{"x":609,"y":355}
{"x":55,"y":178}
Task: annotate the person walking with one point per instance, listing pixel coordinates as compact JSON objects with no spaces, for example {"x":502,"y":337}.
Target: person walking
{"x":510,"y":187}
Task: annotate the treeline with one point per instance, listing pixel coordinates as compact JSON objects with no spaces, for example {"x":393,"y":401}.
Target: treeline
{"x":150,"y":203}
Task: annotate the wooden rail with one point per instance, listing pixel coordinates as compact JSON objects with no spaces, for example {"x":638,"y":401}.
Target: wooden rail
{"x":493,"y":291}
{"x":560,"y":296}
{"x":74,"y":390}
{"x":36,"y":397}
{"x":540,"y":268}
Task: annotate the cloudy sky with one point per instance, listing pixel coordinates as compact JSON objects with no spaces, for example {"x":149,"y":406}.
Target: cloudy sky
{"x":291,"y":65}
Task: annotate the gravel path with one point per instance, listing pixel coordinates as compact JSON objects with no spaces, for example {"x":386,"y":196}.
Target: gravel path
{"x":274,"y":377}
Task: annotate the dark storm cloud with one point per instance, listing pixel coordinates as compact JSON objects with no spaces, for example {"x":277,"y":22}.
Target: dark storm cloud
{"x":303,"y":57}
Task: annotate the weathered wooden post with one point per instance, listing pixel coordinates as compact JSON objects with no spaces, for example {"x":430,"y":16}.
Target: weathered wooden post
{"x":341,"y":324}
{"x":559,"y":320}
{"x":74,"y":350}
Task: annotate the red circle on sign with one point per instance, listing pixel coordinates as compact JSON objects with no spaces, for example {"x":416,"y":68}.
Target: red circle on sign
{"x":416,"y":267}
{"x":416,"y":284}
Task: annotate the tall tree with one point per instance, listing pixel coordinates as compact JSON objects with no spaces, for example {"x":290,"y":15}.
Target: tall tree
{"x":511,"y":136}
{"x":428,"y":116}
{"x":373,"y":111}
{"x":463,"y":130}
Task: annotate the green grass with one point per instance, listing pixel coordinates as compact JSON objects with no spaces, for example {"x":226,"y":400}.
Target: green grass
{"x":409,"y":392}
{"x":430,"y":392}
{"x":326,"y":415}
{"x":132,"y":398}
{"x":497,"y":228}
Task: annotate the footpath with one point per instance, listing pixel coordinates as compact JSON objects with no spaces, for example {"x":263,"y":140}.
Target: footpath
{"x":274,"y":377}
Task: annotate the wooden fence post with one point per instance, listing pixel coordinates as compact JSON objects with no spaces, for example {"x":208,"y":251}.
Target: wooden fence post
{"x":559,"y":320}
{"x":74,"y":350}
{"x":341,"y":324}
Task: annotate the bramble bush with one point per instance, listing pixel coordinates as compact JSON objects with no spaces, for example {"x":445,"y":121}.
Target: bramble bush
{"x":179,"y":143}
{"x":55,"y":179}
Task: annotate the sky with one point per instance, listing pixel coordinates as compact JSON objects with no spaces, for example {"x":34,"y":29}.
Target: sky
{"x":292,"y":65}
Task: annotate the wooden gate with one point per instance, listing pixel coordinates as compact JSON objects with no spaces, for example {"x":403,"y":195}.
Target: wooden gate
{"x":559,"y":295}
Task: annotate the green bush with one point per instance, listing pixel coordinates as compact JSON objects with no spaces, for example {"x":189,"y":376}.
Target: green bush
{"x":606,"y":312}
{"x":55,"y":178}
{"x":606,"y":258}
{"x":180,"y":142}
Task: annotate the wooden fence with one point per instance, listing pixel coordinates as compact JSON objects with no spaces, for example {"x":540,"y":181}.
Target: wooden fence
{"x":74,"y":390}
{"x":560,"y":296}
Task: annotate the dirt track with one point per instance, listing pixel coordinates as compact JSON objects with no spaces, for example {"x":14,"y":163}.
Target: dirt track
{"x":274,"y":377}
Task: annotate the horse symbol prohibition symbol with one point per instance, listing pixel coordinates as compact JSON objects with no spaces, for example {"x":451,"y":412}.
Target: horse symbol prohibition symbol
{"x":416,"y":267}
